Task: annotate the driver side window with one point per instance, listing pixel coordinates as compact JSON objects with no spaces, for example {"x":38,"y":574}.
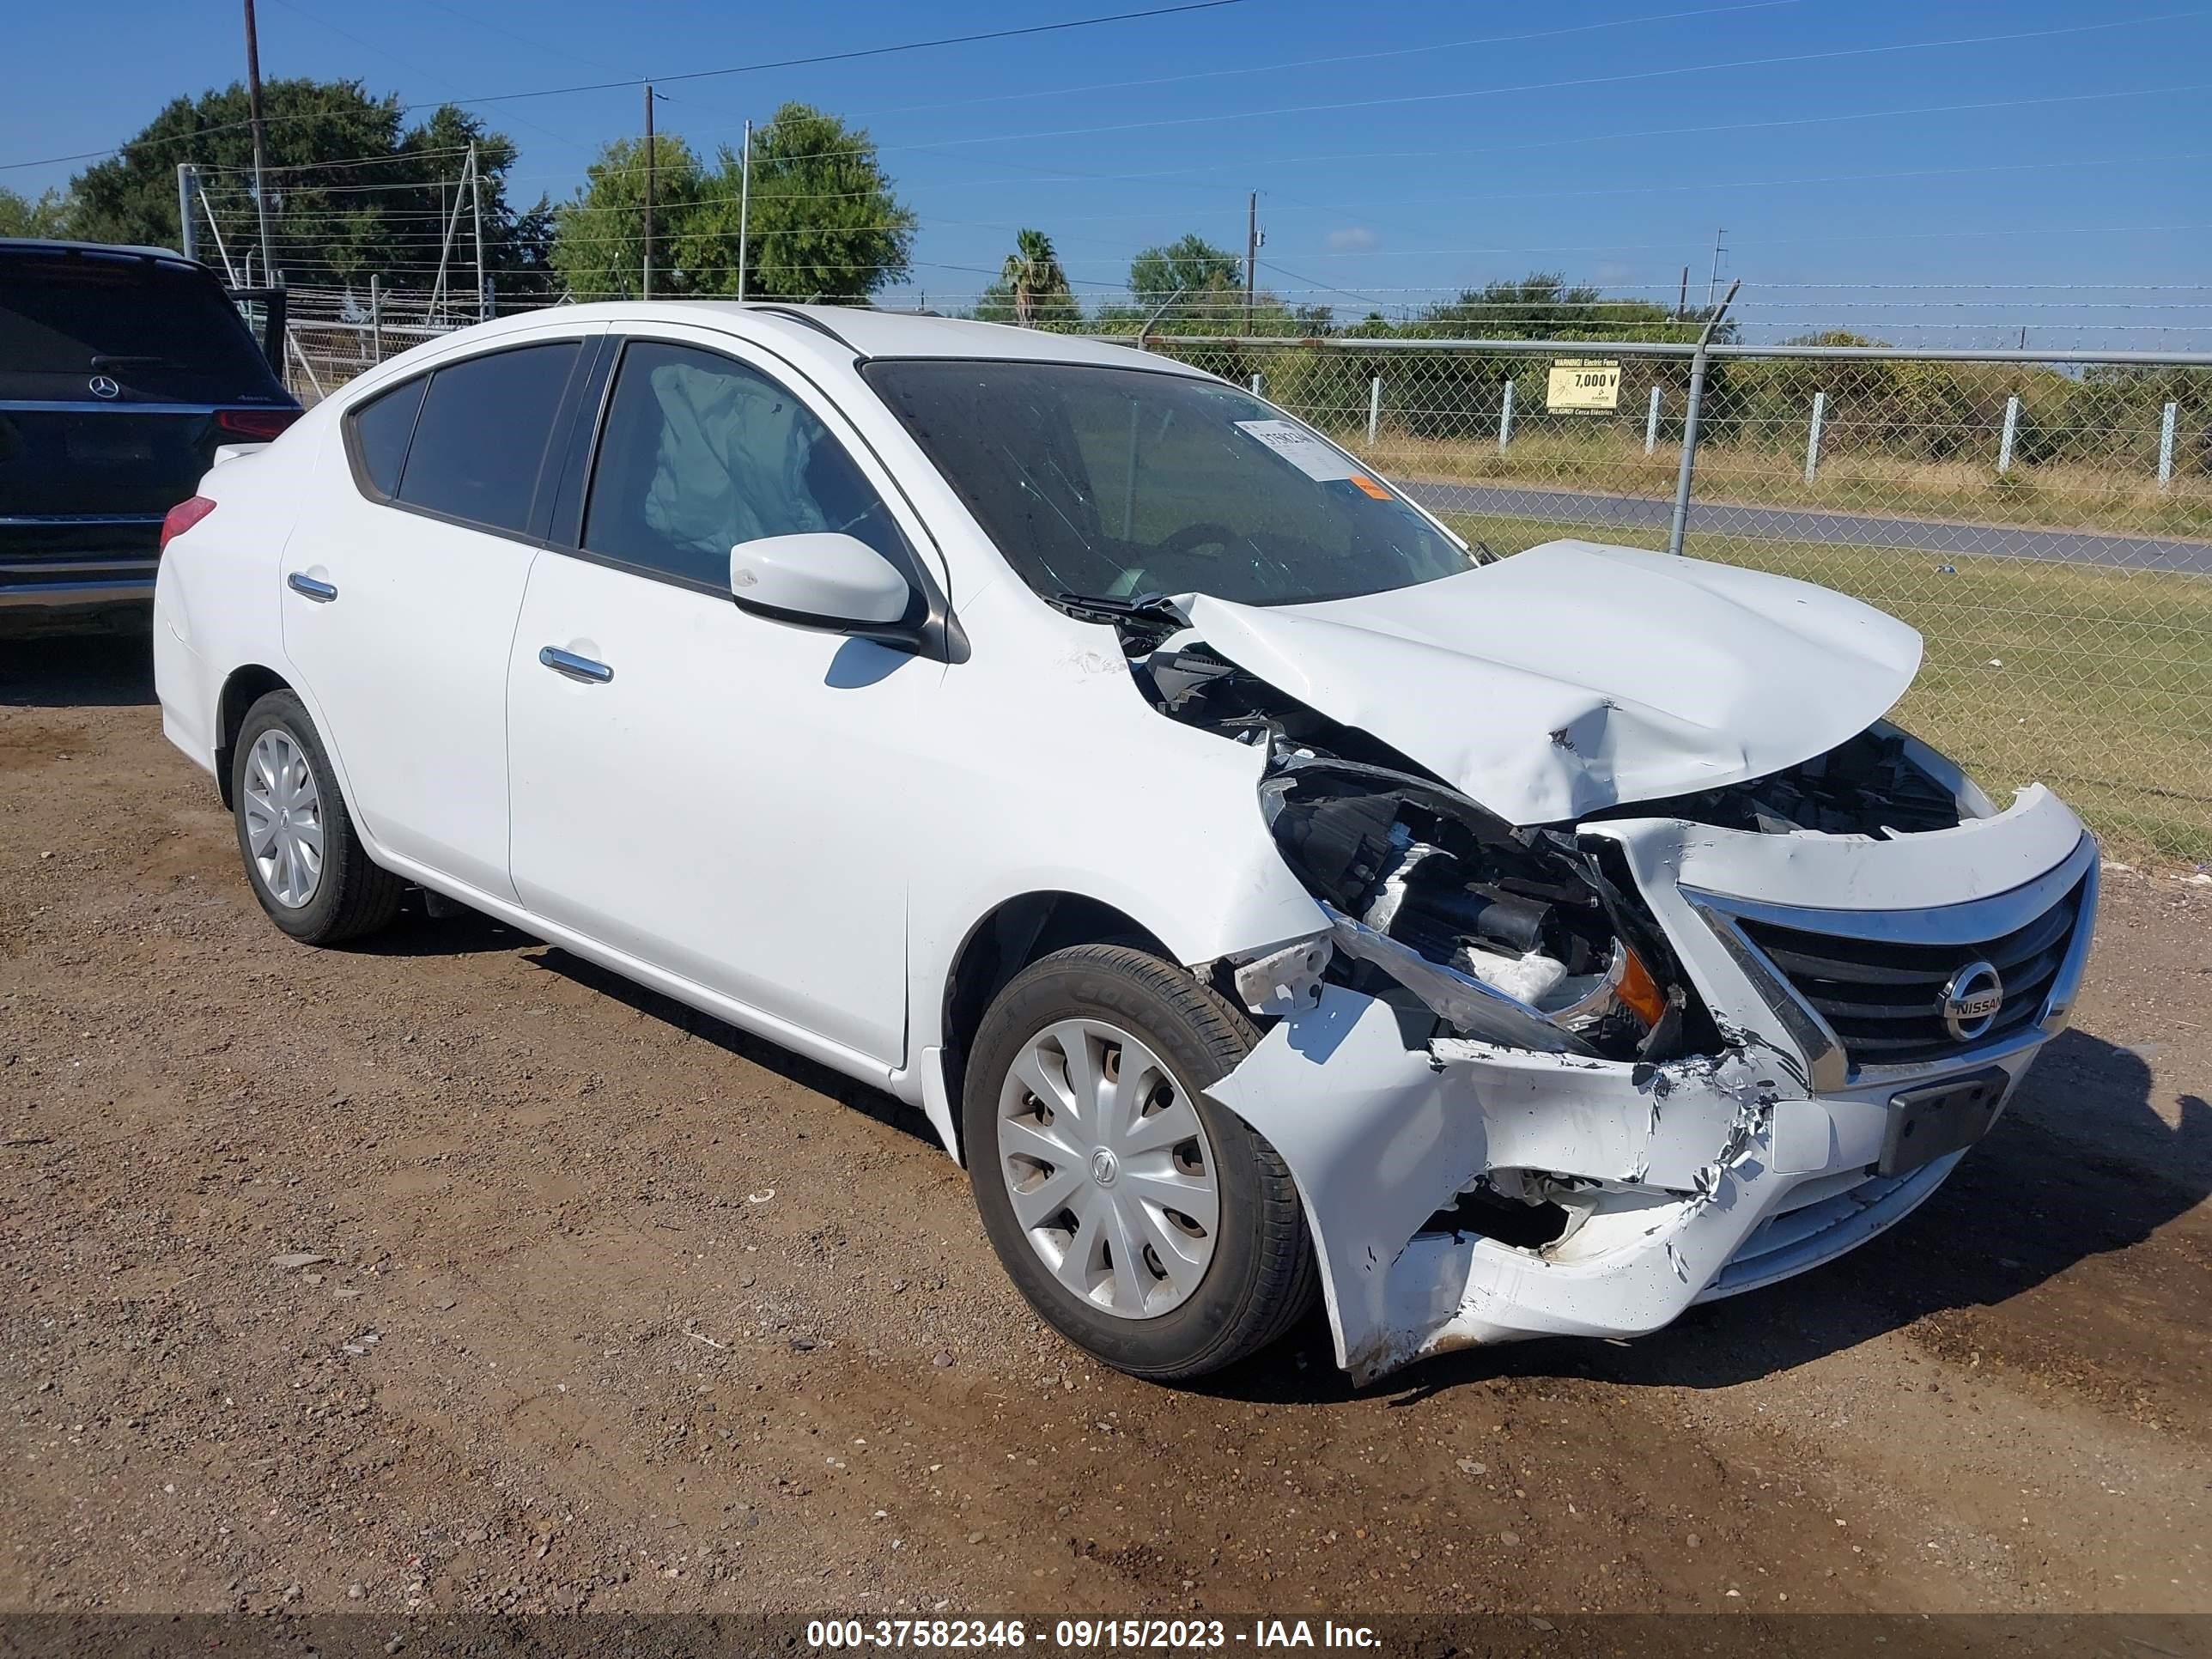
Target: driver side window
{"x":700,"y":452}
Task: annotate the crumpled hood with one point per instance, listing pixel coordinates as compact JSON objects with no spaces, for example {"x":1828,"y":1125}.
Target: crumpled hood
{"x":1576,"y":677}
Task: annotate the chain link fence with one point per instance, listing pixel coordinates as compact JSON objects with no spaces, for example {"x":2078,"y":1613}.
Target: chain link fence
{"x":2046,"y":522}
{"x":332,"y":334}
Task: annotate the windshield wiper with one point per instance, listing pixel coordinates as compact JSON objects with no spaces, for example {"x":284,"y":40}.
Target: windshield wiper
{"x":1110,"y":608}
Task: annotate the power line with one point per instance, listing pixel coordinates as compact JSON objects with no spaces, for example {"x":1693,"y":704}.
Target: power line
{"x":870,"y":51}
{"x":1333,"y":59}
{"x":1786,"y":241}
{"x":1559,"y":86}
{"x":1237,"y":164}
{"x":689,"y":75}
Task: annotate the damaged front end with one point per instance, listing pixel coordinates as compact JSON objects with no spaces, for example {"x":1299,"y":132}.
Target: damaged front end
{"x":1570,"y":1079}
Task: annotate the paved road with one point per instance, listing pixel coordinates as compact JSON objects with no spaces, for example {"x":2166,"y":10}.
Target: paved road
{"x":1599,"y":511}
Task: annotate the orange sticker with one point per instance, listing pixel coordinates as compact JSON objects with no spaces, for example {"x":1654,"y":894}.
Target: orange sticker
{"x":1369,"y":489}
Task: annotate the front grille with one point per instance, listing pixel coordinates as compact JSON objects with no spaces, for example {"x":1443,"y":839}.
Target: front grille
{"x":1884,"y":999}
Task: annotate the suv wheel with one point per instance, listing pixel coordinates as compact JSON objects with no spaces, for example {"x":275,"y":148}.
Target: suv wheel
{"x":304,"y":861}
{"x":1149,"y":1225}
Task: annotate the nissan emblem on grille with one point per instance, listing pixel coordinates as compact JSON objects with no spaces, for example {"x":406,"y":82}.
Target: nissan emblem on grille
{"x":1970,"y":1000}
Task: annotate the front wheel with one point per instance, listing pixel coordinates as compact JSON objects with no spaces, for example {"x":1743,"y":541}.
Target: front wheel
{"x":1148,"y":1225}
{"x":302,"y":858}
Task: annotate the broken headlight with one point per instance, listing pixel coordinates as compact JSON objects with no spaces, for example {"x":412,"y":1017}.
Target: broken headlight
{"x":1503,"y":934}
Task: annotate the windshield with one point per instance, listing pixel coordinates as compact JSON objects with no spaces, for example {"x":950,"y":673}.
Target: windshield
{"x":1112,"y":482}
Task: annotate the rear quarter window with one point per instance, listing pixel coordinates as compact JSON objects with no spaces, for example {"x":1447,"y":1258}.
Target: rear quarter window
{"x":379,"y":432}
{"x":481,"y":436}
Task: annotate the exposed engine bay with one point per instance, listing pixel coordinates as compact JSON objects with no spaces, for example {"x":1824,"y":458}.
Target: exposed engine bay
{"x":1533,"y":936}
{"x":1868,"y":784}
{"x":1533,"y":1072}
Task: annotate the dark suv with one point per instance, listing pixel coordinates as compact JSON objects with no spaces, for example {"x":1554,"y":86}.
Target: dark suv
{"x":122,"y":370}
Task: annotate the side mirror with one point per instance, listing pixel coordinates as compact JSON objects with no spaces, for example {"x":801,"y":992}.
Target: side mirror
{"x":824,"y":578}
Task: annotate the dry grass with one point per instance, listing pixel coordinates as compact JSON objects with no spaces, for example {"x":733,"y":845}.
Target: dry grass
{"x":2095,"y":681}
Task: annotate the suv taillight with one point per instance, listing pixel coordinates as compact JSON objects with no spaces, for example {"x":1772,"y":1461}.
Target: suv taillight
{"x":254,"y":425}
{"x":182,"y":516}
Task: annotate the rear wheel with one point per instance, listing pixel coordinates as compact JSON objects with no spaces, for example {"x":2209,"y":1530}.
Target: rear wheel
{"x":1149,"y":1225}
{"x":302,"y":859}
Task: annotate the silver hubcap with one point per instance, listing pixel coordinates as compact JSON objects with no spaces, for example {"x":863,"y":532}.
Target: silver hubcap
{"x":284,"y":819}
{"x":1108,"y":1169}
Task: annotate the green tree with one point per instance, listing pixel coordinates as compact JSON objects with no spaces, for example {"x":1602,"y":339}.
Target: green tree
{"x":1206,"y":276}
{"x":1542,"y":306}
{"x":823,"y":222}
{"x":1032,"y":290}
{"x":599,"y":236}
{"x":48,"y":216}
{"x":353,"y":191}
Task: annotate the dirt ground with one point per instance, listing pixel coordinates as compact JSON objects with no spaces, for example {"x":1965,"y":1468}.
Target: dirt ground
{"x":616,"y":1308}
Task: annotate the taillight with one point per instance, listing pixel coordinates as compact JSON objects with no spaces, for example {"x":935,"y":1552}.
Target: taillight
{"x":254,"y":424}
{"x":182,"y":516}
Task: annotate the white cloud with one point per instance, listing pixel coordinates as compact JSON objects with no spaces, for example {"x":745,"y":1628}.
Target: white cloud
{"x":1353,"y":239}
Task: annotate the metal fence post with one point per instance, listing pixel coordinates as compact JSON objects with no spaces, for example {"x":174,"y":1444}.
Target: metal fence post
{"x":1257,"y":382}
{"x":2166,"y":448}
{"x":1505,"y":420}
{"x":1651,"y":423}
{"x":1375,"y":410}
{"x":188,"y":230}
{"x":1813,"y":436}
{"x":2011,"y":431}
{"x":1684,"y":473}
{"x":375,"y":321}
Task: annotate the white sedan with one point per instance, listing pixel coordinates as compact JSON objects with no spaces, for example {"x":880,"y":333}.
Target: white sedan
{"x":1264,"y":895}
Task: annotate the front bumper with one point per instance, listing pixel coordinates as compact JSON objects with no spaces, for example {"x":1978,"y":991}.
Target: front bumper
{"x":1694,"y":1179}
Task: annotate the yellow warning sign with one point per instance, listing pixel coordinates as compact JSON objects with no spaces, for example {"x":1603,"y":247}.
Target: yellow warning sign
{"x":1579,"y":383}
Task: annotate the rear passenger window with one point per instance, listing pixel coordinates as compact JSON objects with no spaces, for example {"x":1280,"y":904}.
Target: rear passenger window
{"x":381,"y":427}
{"x":701,"y":452}
{"x":481,"y":434}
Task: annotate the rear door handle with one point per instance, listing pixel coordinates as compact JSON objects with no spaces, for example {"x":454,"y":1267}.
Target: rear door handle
{"x":575,"y":667}
{"x":320,"y":592}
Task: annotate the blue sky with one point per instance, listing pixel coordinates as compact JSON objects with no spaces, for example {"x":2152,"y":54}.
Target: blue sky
{"x":1398,"y":150}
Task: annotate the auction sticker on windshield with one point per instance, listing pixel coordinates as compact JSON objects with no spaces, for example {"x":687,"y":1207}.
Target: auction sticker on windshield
{"x":1301,"y":449}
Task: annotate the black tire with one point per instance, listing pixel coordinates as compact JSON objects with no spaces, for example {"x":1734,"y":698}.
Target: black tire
{"x":1262,"y":1276}
{"x":354,"y":895}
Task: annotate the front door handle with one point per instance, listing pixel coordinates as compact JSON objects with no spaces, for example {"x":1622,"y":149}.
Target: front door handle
{"x":320,"y":592}
{"x":575,"y":667}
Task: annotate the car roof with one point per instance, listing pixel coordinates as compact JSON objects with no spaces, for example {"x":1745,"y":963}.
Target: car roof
{"x":913,"y":334}
{"x":849,"y":331}
{"x":47,"y":244}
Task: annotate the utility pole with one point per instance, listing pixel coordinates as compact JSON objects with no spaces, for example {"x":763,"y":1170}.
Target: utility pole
{"x":744,"y":204}
{"x":438,"y":300}
{"x":1713,"y":286}
{"x":187,"y":226}
{"x":260,"y":141}
{"x":476,"y":209}
{"x":1251,"y":255}
{"x":648,"y":189}
{"x":1682,"y":304}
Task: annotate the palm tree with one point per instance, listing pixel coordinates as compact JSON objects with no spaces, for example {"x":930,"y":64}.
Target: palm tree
{"x":1032,"y":272}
